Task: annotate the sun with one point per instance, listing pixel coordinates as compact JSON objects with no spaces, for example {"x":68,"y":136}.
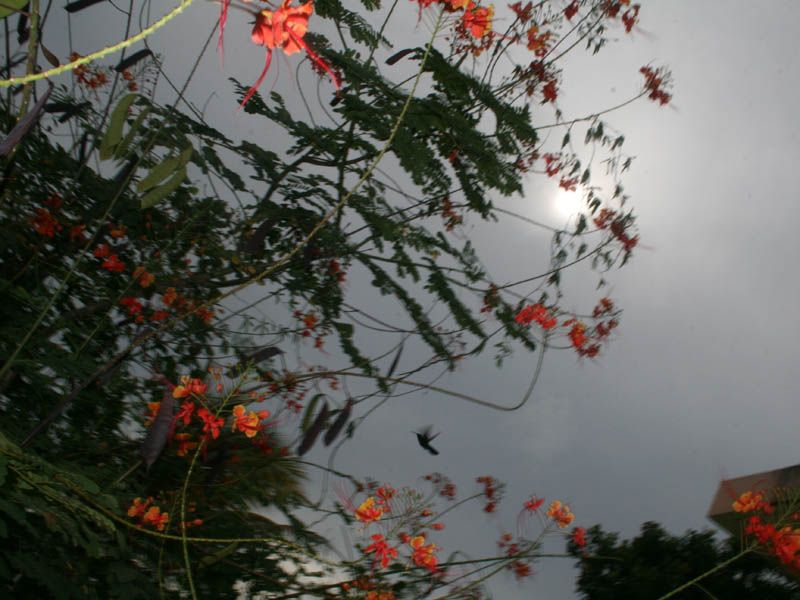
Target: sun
{"x":567,"y":204}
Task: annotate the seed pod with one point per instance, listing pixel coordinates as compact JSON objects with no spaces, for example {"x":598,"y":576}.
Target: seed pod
{"x":126,"y":64}
{"x":158,"y":432}
{"x":338,"y":424}
{"x":80,"y":5}
{"x":314,"y":431}
{"x":264,"y":354}
{"x":398,"y":55}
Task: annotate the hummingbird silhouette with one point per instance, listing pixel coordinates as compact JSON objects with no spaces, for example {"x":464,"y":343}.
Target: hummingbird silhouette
{"x":424,"y":438}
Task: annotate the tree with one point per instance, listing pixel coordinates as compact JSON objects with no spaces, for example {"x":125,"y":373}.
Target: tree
{"x":135,"y":433}
{"x":655,"y":563}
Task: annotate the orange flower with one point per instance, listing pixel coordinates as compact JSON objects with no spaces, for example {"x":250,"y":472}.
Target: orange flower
{"x":560,"y":513}
{"x":478,"y":19}
{"x":205,"y":314}
{"x":145,"y":279}
{"x":750,"y":501}
{"x":155,"y":517}
{"x":189,"y":387}
{"x":169,"y":294}
{"x":284,"y":28}
{"x":424,"y":555}
{"x":367,"y":512}
{"x":151,"y":416}
{"x":118,"y":231}
{"x":184,"y":443}
{"x":138,"y":507}
{"x":248,"y":423}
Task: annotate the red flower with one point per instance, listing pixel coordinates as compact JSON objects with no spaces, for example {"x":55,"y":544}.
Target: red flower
{"x":570,"y":11}
{"x":185,"y":413}
{"x":76,"y":233}
{"x":579,"y":536}
{"x":569,"y":184}
{"x":537,"y":313}
{"x":550,"y":91}
{"x":45,"y":223}
{"x":112,"y":263}
{"x":283,"y":28}
{"x":132,"y":304}
{"x":159,"y":315}
{"x":102,"y":251}
{"x":382,"y":551}
{"x":212,"y":424}
{"x":533,"y":504}
{"x":629,"y":17}
{"x":523,"y":14}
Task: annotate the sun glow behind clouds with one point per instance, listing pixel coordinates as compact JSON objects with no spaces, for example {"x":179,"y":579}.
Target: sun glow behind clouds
{"x":567,"y":204}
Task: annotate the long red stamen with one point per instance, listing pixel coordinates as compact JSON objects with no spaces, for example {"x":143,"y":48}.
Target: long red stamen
{"x":316,"y":59}
{"x":253,"y":89}
{"x":223,"y":17}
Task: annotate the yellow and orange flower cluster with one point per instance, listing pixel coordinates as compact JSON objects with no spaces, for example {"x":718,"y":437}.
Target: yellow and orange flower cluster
{"x":784,"y":543}
{"x":560,"y":513}
{"x":188,"y":387}
{"x":148,"y":515}
{"x":248,"y":423}
{"x":369,"y":513}
{"x":424,"y":555}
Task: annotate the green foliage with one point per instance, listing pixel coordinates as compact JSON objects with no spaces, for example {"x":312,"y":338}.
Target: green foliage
{"x":112,"y":287}
{"x":655,"y":563}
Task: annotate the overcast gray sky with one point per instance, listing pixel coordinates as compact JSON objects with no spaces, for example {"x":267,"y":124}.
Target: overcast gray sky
{"x":698,"y":382}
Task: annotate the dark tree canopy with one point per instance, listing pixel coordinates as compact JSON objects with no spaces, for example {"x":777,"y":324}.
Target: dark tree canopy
{"x":655,"y":562}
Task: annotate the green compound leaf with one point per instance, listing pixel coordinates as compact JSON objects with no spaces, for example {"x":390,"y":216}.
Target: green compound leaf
{"x":156,"y":195}
{"x":163,"y":170}
{"x":114,"y":132}
{"x":122,"y":148}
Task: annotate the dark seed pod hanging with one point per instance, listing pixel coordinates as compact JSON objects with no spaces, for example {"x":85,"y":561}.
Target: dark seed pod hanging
{"x":80,"y":5}
{"x":313,"y":432}
{"x":158,"y":432}
{"x":126,"y":64}
{"x":338,"y":424}
{"x":398,"y":55}
{"x":264,"y":354}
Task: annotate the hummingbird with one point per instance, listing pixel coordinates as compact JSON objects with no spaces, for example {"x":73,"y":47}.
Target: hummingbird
{"x":424,"y":438}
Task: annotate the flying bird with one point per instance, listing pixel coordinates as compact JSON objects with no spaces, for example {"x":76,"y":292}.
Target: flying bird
{"x":424,"y":438}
